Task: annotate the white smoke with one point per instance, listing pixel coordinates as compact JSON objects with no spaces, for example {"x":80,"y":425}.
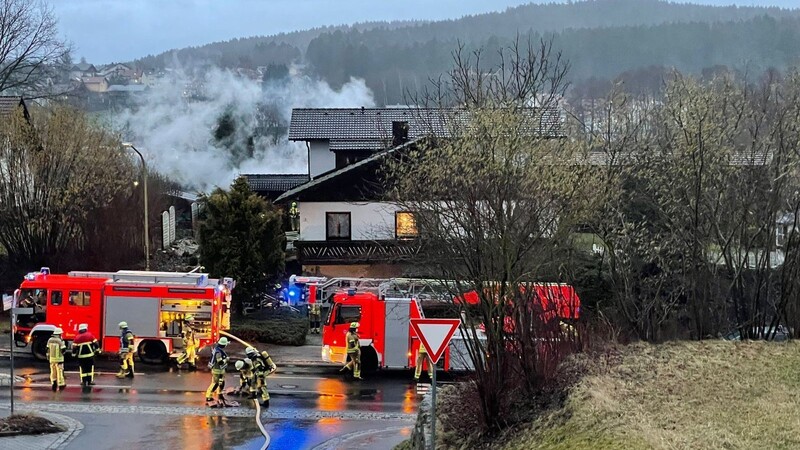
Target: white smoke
{"x":175,"y":130}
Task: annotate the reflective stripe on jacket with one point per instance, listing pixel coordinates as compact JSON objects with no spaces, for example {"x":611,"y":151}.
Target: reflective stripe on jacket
{"x":55,"y":349}
{"x":126,"y":341}
{"x":353,"y":345}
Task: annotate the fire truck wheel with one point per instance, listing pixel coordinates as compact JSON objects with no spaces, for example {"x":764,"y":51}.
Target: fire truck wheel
{"x":369,"y":360}
{"x":39,"y":345}
{"x":153,"y":352}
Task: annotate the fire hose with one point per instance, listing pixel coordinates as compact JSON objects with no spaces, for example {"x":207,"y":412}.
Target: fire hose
{"x":267,"y":437}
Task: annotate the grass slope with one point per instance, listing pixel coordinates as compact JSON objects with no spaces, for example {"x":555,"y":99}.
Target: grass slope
{"x":686,"y":395}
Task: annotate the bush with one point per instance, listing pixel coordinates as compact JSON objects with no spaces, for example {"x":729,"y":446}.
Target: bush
{"x":281,"y":327}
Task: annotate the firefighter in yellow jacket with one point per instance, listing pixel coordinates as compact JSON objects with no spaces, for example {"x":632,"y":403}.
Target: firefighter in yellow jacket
{"x":125,"y":351}
{"x":263,"y":366}
{"x":55,"y":354}
{"x":314,"y":317}
{"x":190,"y":344}
{"x":217,"y":364}
{"x":422,"y":358}
{"x":353,"y":351}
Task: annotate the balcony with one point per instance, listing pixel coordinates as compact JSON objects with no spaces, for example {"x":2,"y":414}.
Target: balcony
{"x":355,"y":252}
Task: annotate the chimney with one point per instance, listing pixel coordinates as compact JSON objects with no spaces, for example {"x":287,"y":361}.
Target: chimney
{"x":399,"y":133}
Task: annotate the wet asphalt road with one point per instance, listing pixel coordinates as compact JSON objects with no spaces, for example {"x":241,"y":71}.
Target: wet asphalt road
{"x":311,"y":407}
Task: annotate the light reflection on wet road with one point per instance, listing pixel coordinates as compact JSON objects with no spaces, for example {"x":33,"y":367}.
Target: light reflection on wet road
{"x":164,"y":409}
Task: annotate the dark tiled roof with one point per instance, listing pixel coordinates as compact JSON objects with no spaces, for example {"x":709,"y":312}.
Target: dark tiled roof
{"x":9,"y":104}
{"x":275,"y":182}
{"x":337,"y":145}
{"x":357,"y":124}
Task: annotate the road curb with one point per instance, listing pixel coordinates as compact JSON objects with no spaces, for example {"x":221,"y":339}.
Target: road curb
{"x":74,"y":428}
{"x":59,"y":440}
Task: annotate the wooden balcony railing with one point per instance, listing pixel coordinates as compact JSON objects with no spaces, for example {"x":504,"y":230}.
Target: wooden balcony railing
{"x":355,"y":252}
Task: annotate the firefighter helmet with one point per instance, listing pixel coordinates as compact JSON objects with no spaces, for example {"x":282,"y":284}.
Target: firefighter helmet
{"x":223,"y":341}
{"x":58,"y":331}
{"x":239,"y":365}
{"x":250,"y":351}
{"x":248,"y":361}
{"x":123,"y":325}
{"x":354,"y":325}
{"x":83,"y":327}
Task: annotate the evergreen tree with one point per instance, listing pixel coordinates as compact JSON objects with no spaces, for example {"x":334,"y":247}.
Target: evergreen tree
{"x":241,"y":237}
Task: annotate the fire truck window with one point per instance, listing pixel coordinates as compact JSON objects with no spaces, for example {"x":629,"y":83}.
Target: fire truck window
{"x":348,"y":314}
{"x":55,"y":298}
{"x":79,"y":298}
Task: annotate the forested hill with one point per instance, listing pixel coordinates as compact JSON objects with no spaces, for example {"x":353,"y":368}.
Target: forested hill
{"x":601,"y":38}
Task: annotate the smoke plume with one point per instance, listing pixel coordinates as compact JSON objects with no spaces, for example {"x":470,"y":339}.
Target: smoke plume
{"x":204,"y":130}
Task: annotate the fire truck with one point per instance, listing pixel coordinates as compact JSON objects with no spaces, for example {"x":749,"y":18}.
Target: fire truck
{"x":384,"y":314}
{"x":154,"y":304}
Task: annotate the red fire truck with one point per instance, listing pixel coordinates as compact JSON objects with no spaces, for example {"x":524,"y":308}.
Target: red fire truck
{"x":154,"y":304}
{"x":387,"y":339}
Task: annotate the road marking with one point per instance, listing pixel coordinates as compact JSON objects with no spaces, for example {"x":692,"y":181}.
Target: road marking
{"x":341,"y":441}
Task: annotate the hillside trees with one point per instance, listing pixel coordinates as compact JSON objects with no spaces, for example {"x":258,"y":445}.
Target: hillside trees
{"x":241,"y":237}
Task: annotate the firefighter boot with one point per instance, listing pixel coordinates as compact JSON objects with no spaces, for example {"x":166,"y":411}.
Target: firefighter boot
{"x":62,"y":387}
{"x":121,"y":374}
{"x":55,"y":386}
{"x":265,"y":404}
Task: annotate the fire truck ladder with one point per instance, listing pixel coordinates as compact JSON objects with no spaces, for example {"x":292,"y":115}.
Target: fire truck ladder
{"x":138,"y":276}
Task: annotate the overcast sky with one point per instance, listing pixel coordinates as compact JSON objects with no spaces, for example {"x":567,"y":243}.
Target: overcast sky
{"x":119,"y":30}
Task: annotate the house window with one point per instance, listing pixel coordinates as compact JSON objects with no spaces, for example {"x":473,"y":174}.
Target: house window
{"x":405,"y":225}
{"x":337,"y":226}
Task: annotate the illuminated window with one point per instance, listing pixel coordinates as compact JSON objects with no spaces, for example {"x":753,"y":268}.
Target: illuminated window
{"x":405,"y":225}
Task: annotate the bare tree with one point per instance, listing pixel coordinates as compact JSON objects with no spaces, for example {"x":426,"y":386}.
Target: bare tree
{"x":56,"y":174}
{"x":492,"y":203}
{"x":30,"y":48}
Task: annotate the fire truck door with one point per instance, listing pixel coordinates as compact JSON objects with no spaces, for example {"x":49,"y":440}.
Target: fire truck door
{"x":396,"y":344}
{"x":72,"y":307}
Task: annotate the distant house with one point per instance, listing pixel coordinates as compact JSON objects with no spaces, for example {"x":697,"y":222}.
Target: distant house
{"x":346,"y":227}
{"x":10,"y":104}
{"x":82,"y":70}
{"x":120,"y":71}
{"x":96,"y":84}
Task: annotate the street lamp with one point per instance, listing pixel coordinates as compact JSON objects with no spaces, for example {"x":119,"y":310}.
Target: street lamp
{"x":146,"y":220}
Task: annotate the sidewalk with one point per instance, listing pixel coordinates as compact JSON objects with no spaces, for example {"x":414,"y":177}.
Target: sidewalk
{"x":42,"y":441}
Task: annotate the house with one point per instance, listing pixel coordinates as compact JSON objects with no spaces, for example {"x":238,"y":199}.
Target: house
{"x":82,"y":70}
{"x":96,"y":84}
{"x":346,"y":228}
{"x":9,"y":104}
{"x":271,"y":186}
{"x":118,"y":71}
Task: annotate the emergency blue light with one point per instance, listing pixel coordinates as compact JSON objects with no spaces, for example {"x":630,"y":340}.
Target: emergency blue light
{"x":294,"y":292}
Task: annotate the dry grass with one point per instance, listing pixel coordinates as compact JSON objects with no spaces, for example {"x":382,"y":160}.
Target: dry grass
{"x":687,"y":395}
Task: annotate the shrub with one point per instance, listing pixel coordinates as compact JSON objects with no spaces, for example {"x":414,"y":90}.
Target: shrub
{"x":281,"y":327}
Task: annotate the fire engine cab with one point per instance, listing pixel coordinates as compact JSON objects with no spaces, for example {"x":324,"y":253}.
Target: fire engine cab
{"x":154,"y":304}
{"x":385,"y":333}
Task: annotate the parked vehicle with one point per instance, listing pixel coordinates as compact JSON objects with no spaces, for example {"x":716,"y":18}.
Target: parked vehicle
{"x":386,"y":337}
{"x":154,"y":304}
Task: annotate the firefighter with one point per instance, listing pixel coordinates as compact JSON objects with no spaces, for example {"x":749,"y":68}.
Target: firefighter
{"x":262,"y":368}
{"x":125,"y":351}
{"x":353,"y":351}
{"x":84,"y":347}
{"x":313,"y":317}
{"x":294,"y":216}
{"x":422,"y":357}
{"x":246,"y":381}
{"x":189,"y":344}
{"x":55,"y":354}
{"x":217,"y":364}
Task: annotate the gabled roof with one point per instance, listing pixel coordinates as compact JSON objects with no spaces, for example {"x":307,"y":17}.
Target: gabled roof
{"x":369,"y":124}
{"x":335,"y":173}
{"x":275,"y":182}
{"x":336,"y":145}
{"x":84,"y":67}
{"x":92,"y":80}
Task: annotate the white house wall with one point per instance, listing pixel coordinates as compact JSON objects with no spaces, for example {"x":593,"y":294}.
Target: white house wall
{"x":368,"y":221}
{"x":320,"y":158}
